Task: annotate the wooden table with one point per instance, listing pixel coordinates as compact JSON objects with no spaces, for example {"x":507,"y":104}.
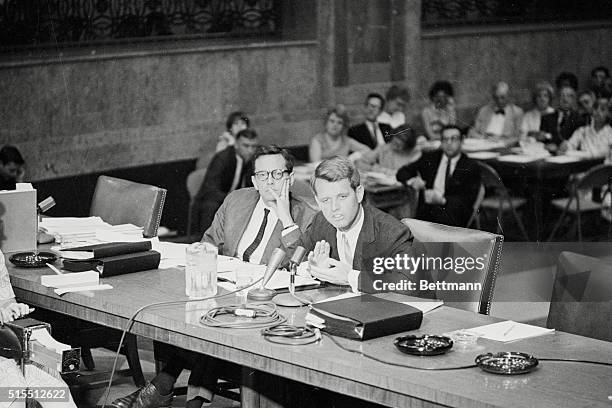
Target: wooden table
{"x":326,"y":366}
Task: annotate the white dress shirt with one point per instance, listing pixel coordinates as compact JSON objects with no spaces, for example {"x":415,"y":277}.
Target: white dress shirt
{"x":251,"y":232}
{"x":496,"y":124}
{"x":347,"y":255}
{"x":375,"y":130}
{"x":587,"y":139}
{"x":395,"y":120}
{"x":440,"y":180}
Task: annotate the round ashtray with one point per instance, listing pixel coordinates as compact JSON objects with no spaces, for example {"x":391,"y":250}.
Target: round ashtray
{"x":463,"y":337}
{"x":507,"y":362}
{"x":426,"y":345}
{"x":32,"y":259}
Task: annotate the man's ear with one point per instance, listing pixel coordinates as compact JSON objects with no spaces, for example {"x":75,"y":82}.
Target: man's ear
{"x":359,"y":192}
{"x":291,"y":179}
{"x":254,"y":183}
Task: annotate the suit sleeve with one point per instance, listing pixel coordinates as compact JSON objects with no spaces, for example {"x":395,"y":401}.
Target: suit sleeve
{"x":213,"y":183}
{"x":215,"y":233}
{"x":407,"y":172}
{"x":469,"y":191}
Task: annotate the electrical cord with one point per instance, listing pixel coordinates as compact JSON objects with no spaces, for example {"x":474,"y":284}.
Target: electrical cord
{"x":291,"y":335}
{"x":570,"y":360}
{"x":262,"y":315}
{"x":130,"y":322}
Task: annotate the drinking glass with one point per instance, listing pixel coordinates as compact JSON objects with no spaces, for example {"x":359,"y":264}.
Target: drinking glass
{"x":201,"y":270}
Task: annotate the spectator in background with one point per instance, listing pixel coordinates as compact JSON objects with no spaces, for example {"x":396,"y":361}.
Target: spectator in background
{"x":449,"y":179}
{"x":441,"y":112}
{"x":229,"y":170}
{"x":594,"y":139}
{"x":586,"y":100}
{"x":11,"y":167}
{"x":393,"y":114}
{"x":371,"y":133}
{"x":499,"y":120}
{"x":390,"y":157}
{"x":598,"y":80}
{"x":562,"y":123}
{"x":541,"y":97}
{"x":566,"y":79}
{"x":333,"y":141}
{"x":236,"y":121}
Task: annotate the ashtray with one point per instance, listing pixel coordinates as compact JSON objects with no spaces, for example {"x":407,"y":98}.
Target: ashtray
{"x":426,"y":345}
{"x":463,"y":337}
{"x":32,"y":259}
{"x":508,"y":363}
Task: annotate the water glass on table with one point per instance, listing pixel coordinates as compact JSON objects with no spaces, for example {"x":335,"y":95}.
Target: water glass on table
{"x":201,"y":270}
{"x":245,"y":276}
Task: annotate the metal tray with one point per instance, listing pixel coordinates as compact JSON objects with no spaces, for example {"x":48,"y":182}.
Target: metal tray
{"x":425,"y":345}
{"x":507,"y":362}
{"x":32,"y":259}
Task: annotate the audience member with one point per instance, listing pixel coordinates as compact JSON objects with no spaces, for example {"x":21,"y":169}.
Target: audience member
{"x":393,"y":113}
{"x":333,"y":141}
{"x":586,"y":100}
{"x":541,"y":97}
{"x":562,"y":123}
{"x":228,"y":170}
{"x":348,"y":234}
{"x":594,"y":139}
{"x":499,"y":120}
{"x":236,"y":121}
{"x":449,"y":179}
{"x":388,"y":158}
{"x":11,"y":167}
{"x":371,"y":133}
{"x":598,"y":80}
{"x":251,"y":223}
{"x":566,"y":79}
{"x":441,"y":112}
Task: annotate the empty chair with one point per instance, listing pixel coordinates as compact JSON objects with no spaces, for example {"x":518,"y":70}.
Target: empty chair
{"x":194,"y":182}
{"x":577,"y":203}
{"x":581,"y":300}
{"x":442,"y":241}
{"x":475,"y":217}
{"x":119,"y":201}
{"x":501,"y":201}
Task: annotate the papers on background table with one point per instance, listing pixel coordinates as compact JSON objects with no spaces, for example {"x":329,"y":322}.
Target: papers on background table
{"x":476,"y":145}
{"x":562,"y":159}
{"x":518,"y":158}
{"x":81,"y":231}
{"x":425,"y":305}
{"x":381,"y":178}
{"x":483,"y":155}
{"x":509,"y":331}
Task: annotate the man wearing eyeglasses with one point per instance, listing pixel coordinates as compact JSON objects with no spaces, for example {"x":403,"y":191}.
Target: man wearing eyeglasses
{"x":449,"y":181}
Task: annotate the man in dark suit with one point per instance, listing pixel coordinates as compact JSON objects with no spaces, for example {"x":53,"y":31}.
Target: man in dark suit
{"x":347,"y":237}
{"x":449,"y":181}
{"x":229,"y":170}
{"x":563,"y":122}
{"x":371,"y":133}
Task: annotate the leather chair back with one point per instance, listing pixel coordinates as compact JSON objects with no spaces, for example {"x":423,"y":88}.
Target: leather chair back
{"x":119,"y":201}
{"x":444,"y":241}
{"x":581,"y":301}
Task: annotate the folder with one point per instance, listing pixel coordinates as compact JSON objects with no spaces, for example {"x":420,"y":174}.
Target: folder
{"x":105,"y":250}
{"x":118,"y":264}
{"x":365,"y":317}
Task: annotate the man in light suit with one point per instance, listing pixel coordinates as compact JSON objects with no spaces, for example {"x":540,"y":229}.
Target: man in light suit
{"x":250,"y":224}
{"x":449,"y":181}
{"x":348,"y":234}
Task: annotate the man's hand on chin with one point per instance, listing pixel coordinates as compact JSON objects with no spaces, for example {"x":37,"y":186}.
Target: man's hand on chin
{"x":337,"y":273}
{"x":283,"y":205}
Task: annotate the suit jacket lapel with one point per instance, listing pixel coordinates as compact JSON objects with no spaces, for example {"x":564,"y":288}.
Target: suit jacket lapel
{"x":241,"y":220}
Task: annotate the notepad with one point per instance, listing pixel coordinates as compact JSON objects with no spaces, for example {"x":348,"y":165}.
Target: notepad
{"x":509,"y":331}
{"x":518,"y":158}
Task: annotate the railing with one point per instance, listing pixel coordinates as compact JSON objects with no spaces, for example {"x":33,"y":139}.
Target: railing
{"x":60,"y":23}
{"x":444,"y":13}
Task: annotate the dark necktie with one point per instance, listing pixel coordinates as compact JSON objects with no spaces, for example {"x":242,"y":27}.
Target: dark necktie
{"x":373,"y":133}
{"x":500,"y":111}
{"x":447,"y":175}
{"x":249,"y":251}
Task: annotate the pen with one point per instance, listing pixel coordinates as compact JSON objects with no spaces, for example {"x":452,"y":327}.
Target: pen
{"x":220,"y":279}
{"x":54,"y":269}
{"x":509,"y":330}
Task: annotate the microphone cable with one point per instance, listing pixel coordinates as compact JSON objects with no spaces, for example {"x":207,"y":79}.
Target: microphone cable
{"x":261,"y":315}
{"x":291,"y":335}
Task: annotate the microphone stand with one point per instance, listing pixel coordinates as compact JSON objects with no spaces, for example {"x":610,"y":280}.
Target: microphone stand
{"x":290,"y":299}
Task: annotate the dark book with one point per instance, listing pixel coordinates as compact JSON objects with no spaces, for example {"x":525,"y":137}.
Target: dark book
{"x":105,"y":250}
{"x":365,"y":317}
{"x":116,"y":265}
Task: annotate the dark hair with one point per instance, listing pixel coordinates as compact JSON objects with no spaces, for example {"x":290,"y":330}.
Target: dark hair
{"x":398,"y":92}
{"x":376,"y":95}
{"x":438,"y":86}
{"x":407,"y":135}
{"x":233,"y":117}
{"x":335,"y":169}
{"x":600,"y":68}
{"x":340,"y":111}
{"x":247,"y":134}
{"x":10,"y":154}
{"x":272,"y":150}
{"x":447,"y":127}
{"x":566,"y":78}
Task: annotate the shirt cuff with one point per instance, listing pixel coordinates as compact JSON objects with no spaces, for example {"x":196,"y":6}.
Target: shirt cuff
{"x":286,"y":231}
{"x":353,"y":280}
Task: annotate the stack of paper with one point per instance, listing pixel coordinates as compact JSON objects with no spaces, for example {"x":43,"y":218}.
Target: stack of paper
{"x":79,"y":231}
{"x":476,"y":145}
{"x":509,"y":331}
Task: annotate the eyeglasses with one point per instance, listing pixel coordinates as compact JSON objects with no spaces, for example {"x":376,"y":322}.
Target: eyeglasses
{"x":276,"y":174}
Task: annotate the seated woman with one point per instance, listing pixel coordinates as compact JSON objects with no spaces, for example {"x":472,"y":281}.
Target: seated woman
{"x":541,"y":97}
{"x":594,"y":139}
{"x":10,"y":373}
{"x":389,"y":158}
{"x":334,"y":141}
{"x":441,"y":112}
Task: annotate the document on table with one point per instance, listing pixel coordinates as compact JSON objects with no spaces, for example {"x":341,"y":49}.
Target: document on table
{"x":509,"y":331}
{"x":518,"y":158}
{"x":563,"y":159}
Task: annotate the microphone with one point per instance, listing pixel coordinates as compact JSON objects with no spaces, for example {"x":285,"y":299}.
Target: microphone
{"x":263,"y":294}
{"x":290,"y":299}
